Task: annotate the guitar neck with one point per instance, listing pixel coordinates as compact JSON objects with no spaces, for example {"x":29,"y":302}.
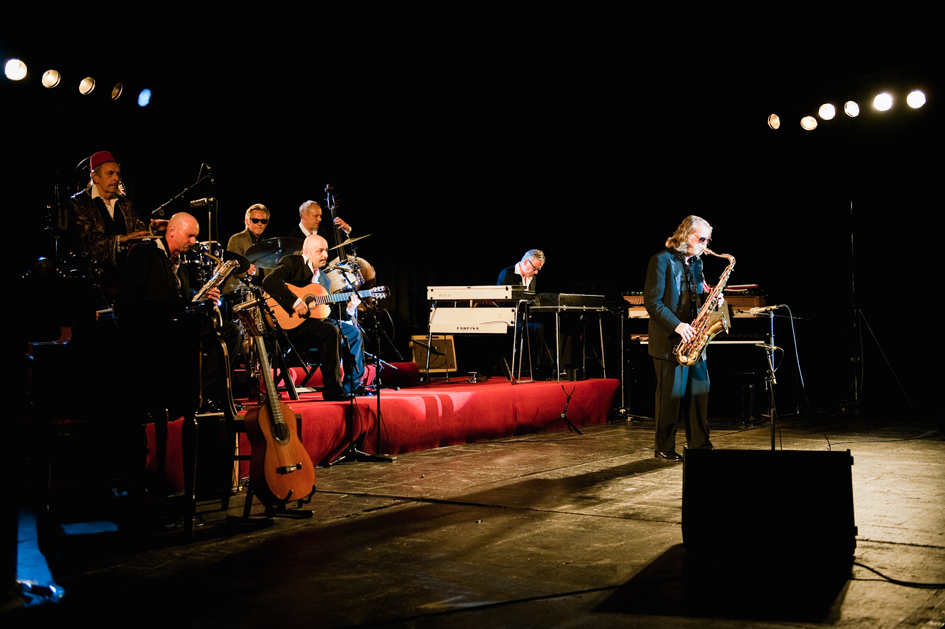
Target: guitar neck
{"x":275,"y":408}
{"x":338,"y":297}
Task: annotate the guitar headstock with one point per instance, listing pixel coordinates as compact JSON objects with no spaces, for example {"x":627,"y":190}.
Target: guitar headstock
{"x":380,"y":292}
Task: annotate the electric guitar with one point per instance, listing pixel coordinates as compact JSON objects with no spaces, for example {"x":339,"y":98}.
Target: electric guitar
{"x":318,"y":300}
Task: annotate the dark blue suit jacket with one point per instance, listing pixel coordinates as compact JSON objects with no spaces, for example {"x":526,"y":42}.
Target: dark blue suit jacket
{"x":664,"y":284}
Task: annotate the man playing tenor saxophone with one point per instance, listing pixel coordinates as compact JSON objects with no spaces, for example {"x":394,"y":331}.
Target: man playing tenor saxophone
{"x":673,"y":294}
{"x":153,"y":282}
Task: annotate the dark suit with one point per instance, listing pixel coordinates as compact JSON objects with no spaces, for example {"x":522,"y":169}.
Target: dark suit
{"x":297,"y":233}
{"x":673,"y":295}
{"x":536,"y":329}
{"x":323,"y":334}
{"x":151,"y":295}
{"x":149,"y":274}
{"x":508,"y":277}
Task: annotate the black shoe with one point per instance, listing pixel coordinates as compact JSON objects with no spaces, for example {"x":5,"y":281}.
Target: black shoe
{"x":362,"y":392}
{"x":672,"y":455}
{"x":336,"y":396}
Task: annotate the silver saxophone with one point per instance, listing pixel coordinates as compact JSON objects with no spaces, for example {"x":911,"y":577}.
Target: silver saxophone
{"x":709,"y":322}
{"x":220,"y":275}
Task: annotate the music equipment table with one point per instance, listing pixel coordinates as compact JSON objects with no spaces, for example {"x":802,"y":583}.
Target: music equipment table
{"x":567,"y":302}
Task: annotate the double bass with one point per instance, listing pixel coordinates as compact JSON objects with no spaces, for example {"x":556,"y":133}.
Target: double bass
{"x":345,"y":273}
{"x":280,"y":470}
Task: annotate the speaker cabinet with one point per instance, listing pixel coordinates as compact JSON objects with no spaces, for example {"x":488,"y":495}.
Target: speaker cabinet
{"x":798,"y":504}
{"x":443,"y":356}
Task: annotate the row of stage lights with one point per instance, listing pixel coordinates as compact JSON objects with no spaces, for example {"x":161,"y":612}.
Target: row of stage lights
{"x":16,"y":70}
{"x":882,"y":102}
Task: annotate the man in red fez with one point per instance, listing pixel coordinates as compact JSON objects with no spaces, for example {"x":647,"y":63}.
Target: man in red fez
{"x":104,"y":219}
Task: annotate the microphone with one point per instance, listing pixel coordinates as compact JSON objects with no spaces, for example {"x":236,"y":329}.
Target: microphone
{"x":202,"y":202}
{"x":764,"y":309}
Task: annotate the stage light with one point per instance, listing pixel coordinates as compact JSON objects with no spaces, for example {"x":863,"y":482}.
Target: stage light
{"x":883,"y":102}
{"x":808,"y":123}
{"x":827,"y":111}
{"x":116,"y":91}
{"x":144,"y":98}
{"x":851,"y":109}
{"x":86,"y":85}
{"x":774,"y":122}
{"x":15,"y":69}
{"x":915,"y":99}
{"x":51,"y":78}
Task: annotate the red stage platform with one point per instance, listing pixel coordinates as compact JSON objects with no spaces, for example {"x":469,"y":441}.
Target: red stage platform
{"x":448,"y":413}
{"x":434,"y":415}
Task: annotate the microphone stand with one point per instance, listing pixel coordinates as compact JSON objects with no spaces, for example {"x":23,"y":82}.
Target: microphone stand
{"x":352,"y":452}
{"x":159,"y":213}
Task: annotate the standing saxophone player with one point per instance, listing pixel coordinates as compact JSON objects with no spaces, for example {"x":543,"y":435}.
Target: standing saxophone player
{"x":673,"y":295}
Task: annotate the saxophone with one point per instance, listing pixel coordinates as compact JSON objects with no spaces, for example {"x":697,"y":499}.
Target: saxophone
{"x":220,"y":274}
{"x":710,"y":321}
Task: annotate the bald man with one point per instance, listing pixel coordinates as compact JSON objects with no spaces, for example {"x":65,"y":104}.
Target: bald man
{"x":154,"y":269}
{"x":153,"y":287}
{"x":325,"y":334}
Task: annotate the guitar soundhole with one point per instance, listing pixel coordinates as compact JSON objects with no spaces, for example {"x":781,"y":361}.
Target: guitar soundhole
{"x":281,"y":432}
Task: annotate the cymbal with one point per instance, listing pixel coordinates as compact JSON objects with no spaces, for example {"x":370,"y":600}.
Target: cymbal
{"x":244,"y":263}
{"x":267,"y":253}
{"x":348,"y":242}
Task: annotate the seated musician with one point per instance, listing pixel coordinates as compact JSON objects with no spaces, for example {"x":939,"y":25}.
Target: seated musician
{"x":525,"y":273}
{"x":302,"y":272}
{"x":153,"y":283}
{"x":257,"y":218}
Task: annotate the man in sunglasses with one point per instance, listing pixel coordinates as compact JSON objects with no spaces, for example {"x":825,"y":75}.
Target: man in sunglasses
{"x":257,"y":218}
{"x":673,"y":295}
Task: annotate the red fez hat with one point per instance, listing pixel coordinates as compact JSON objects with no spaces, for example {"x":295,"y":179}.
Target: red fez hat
{"x":100,"y":158}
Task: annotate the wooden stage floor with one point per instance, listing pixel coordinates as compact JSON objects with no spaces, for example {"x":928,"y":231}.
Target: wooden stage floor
{"x":542,"y":530}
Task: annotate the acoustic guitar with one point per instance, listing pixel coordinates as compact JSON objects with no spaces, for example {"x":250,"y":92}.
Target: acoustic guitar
{"x":280,"y":469}
{"x":318,"y":300}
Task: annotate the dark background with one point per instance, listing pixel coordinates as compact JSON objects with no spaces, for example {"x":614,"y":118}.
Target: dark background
{"x":461,"y":146}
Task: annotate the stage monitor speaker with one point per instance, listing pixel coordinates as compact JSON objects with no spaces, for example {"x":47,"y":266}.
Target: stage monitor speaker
{"x":443,"y":356}
{"x":798,"y":504}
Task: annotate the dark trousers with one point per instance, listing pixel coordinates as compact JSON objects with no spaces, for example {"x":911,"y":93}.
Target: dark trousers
{"x":326,"y":336}
{"x":681,"y":392}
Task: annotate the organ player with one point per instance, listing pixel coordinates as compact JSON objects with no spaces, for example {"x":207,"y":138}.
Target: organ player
{"x":525,"y":273}
{"x":673,"y":296}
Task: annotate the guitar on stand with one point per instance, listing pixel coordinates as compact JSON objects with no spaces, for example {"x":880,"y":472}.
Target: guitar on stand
{"x":280,"y":470}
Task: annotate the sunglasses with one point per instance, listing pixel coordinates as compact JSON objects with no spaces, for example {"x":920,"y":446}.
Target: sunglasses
{"x":264,"y":221}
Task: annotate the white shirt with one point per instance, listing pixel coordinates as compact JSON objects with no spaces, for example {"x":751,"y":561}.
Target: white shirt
{"x":109,"y":203}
